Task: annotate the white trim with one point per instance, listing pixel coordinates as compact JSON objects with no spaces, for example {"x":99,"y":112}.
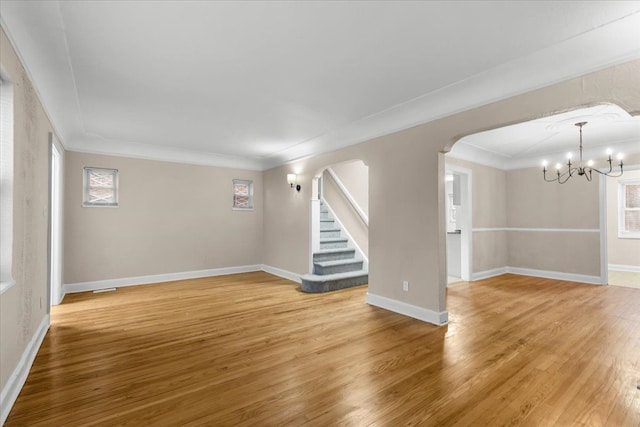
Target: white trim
{"x":420,"y":313}
{"x":621,"y":204}
{"x":541,"y":230}
{"x":466,"y":228}
{"x":557,"y":275}
{"x":7,"y":171}
{"x":488,"y":273}
{"x":281,"y":273}
{"x":602,"y":210}
{"x":348,"y":195}
{"x":16,"y":381}
{"x":69,"y":288}
{"x":5,"y":286}
{"x":627,"y":268}
{"x":352,"y":241}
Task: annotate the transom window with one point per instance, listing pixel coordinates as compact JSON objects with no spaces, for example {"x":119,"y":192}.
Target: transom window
{"x":242,"y":194}
{"x":629,"y":209}
{"x":100,"y":187}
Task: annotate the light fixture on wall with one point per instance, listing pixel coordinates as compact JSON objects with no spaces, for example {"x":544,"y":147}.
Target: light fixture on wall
{"x":292,"y":180}
{"x":580,"y":169}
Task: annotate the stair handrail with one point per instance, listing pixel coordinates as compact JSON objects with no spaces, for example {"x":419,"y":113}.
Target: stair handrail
{"x":349,"y":197}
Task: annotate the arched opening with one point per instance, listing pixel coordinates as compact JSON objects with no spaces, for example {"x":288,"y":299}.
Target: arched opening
{"x":521,"y":224}
{"x":339,"y":227}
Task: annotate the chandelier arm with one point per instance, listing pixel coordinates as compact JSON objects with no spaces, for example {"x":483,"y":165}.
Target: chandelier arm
{"x":566,"y":176}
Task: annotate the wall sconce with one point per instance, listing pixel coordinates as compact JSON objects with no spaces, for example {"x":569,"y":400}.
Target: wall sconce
{"x":292,"y":179}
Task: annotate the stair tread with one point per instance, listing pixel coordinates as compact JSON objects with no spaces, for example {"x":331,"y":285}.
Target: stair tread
{"x":334,"y":276}
{"x":333,"y":239}
{"x":334,"y":251}
{"x":338,"y":262}
{"x":331,"y":229}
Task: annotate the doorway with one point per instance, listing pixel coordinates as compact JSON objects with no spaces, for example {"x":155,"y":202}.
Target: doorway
{"x":458,"y":223}
{"x":55,"y":224}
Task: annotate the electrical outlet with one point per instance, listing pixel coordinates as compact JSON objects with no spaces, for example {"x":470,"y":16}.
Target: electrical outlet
{"x":405,"y":286}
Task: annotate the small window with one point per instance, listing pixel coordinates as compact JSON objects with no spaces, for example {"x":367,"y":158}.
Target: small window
{"x":100,"y":187}
{"x":242,"y":194}
{"x":629,"y":209}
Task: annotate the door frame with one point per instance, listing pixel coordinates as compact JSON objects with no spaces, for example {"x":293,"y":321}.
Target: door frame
{"x":466,"y":225}
{"x":56,"y":179}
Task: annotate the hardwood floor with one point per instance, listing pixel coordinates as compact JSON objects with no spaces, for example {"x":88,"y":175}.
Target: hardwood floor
{"x":250,"y":349}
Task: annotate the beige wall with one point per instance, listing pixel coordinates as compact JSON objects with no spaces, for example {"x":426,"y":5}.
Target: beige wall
{"x":172,"y":218}
{"x":355,"y":177}
{"x":489,"y":210}
{"x":534,"y":203}
{"x":24,"y":306}
{"x":345,"y":212}
{"x":407,"y":224}
{"x":620,"y":251}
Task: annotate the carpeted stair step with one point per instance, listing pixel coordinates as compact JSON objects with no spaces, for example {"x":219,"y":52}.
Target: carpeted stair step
{"x":314,"y":283}
{"x":329,"y":232}
{"x":327,"y":223}
{"x":333,"y":254}
{"x":333,"y":243}
{"x":324,"y":268}
{"x":324,"y":215}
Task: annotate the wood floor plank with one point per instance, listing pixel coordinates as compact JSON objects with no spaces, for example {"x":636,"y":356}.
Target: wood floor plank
{"x":251,"y":349}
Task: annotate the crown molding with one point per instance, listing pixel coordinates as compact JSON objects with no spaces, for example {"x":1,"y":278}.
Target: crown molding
{"x":501,"y":82}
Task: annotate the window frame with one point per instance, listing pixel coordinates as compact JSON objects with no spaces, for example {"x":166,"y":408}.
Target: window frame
{"x":233,"y":194}
{"x":6,"y":184}
{"x":86,"y":187}
{"x":622,"y":208}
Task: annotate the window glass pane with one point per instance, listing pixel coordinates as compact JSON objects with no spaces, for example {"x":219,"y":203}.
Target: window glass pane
{"x":242,"y":194}
{"x":241,"y":202}
{"x":101,"y":195}
{"x":101,"y":179}
{"x":632,"y":195}
{"x":632,"y":221}
{"x":241,"y":189}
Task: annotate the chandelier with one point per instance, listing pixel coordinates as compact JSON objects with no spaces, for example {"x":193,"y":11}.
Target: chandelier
{"x":580,"y":169}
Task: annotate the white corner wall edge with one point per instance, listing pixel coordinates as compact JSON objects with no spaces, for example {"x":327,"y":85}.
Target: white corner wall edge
{"x":17,"y":379}
{"x":68,"y":288}
{"x":627,"y":268}
{"x":281,"y":273}
{"x":420,"y":313}
{"x":557,"y":275}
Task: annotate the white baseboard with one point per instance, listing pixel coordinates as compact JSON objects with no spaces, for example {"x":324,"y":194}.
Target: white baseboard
{"x":627,"y":268}
{"x":281,"y":273}
{"x":416,"y":312}
{"x":155,"y":278}
{"x":572,"y":277}
{"x":557,"y":275}
{"x":14,"y":384}
{"x":488,"y":273}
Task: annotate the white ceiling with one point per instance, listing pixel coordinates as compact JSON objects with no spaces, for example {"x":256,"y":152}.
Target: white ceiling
{"x":257,"y":84}
{"x":551,"y":138}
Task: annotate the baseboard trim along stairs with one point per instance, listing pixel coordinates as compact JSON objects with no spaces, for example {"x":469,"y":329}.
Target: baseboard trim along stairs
{"x":335,"y":265}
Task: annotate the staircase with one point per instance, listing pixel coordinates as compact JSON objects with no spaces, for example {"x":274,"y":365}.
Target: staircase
{"x":335,"y":265}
